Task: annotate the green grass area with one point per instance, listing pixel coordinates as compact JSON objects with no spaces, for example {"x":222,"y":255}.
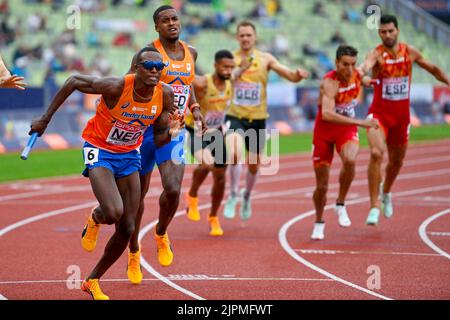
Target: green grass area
{"x":65,"y":162}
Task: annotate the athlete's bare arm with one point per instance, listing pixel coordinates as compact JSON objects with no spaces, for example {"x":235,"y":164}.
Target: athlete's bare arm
{"x":164,"y":129}
{"x":328,"y":91}
{"x":110,"y":88}
{"x":368,"y":64}
{"x":296,"y":75}
{"x":200,"y":85}
{"x":427,"y":65}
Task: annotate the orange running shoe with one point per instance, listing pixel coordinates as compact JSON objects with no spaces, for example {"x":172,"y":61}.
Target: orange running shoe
{"x":165,"y":254}
{"x":92,"y":287}
{"x":134,"y":271}
{"x":215,"y":229}
{"x":192,"y":208}
{"x":90,"y":234}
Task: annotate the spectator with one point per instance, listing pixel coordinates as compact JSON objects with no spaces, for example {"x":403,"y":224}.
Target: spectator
{"x":123,"y":39}
{"x":319,"y":9}
{"x":280,"y":45}
{"x":337,"y":38}
{"x":273,"y":7}
{"x":259,"y":11}
{"x":100,"y":66}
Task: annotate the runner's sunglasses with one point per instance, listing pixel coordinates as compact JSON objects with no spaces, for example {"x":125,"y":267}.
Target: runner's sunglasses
{"x":149,"y":65}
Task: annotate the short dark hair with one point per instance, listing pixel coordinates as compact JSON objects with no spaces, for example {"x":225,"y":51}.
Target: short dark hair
{"x":159,"y":10}
{"x":145,"y":49}
{"x":246,"y":23}
{"x":345,"y":50}
{"x":388,"y":18}
{"x":221,"y":54}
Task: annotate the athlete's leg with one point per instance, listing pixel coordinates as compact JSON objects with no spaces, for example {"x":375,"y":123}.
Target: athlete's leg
{"x":322,"y":173}
{"x":348,"y":154}
{"x":171,"y":178}
{"x":104,"y":186}
{"x":396,"y":155}
{"x":377,"y":147}
{"x":235,"y":144}
{"x":200,"y":173}
{"x":145,"y":184}
{"x":130,"y":190}
{"x":218,"y":189}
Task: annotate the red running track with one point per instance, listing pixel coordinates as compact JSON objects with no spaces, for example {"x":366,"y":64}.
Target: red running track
{"x":268,"y":257}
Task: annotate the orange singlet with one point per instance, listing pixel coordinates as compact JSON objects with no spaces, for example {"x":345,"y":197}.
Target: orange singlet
{"x":179,"y":74}
{"x":121,"y":128}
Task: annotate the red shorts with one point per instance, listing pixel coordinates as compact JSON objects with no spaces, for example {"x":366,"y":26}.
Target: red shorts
{"x":395,"y":126}
{"x":325,"y":139}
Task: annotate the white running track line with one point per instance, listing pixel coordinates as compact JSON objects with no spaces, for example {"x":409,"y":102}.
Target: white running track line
{"x":282,"y":237}
{"x":150,"y":269}
{"x":424,"y":237}
{"x":263,"y":180}
{"x":149,"y":226}
{"x":295,"y":164}
{"x":174,"y":278}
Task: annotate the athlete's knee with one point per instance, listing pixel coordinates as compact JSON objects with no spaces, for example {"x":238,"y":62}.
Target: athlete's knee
{"x":127,"y":227}
{"x":172,"y":191}
{"x":348,"y":163}
{"x":219,"y":177}
{"x":112,"y":213}
{"x":321,"y":188}
{"x":253,"y":168}
{"x":376,"y":154}
{"x":396,"y":162}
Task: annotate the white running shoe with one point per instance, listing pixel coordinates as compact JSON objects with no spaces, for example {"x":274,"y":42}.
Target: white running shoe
{"x":344,"y":220}
{"x":318,"y":231}
{"x":386,"y":204}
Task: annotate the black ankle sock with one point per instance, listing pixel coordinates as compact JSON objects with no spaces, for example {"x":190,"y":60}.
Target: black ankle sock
{"x":340,"y":204}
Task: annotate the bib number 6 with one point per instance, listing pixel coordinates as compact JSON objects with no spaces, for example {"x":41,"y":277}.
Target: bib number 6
{"x":90,"y":155}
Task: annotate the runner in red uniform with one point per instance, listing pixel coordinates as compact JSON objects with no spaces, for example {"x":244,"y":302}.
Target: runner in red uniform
{"x":391,"y":65}
{"x":336,"y":127}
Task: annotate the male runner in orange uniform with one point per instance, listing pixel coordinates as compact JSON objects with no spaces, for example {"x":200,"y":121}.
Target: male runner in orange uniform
{"x":336,"y":126}
{"x":127,"y":107}
{"x":179,"y":73}
{"x":391,"y":64}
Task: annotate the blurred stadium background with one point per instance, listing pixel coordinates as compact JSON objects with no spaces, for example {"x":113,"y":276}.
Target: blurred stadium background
{"x":38,"y":41}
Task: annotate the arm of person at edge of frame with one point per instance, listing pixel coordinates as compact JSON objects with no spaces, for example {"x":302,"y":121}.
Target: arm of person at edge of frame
{"x":169,"y":123}
{"x":427,"y":65}
{"x":110,"y":88}
{"x":329,"y":89}
{"x":10,"y":81}
{"x":295,"y":75}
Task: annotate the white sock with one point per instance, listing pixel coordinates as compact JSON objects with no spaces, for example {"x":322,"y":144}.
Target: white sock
{"x":250,"y":183}
{"x":235,"y":177}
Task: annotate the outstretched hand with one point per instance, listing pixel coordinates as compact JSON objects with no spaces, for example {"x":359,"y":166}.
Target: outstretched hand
{"x":303,"y":74}
{"x":14,"y":82}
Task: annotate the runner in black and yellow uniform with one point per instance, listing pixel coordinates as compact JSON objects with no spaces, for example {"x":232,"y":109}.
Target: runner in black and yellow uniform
{"x":213,"y":92}
{"x":248,"y":112}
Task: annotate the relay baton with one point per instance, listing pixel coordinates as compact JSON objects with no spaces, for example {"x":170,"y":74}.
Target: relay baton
{"x":30,"y":144}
